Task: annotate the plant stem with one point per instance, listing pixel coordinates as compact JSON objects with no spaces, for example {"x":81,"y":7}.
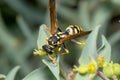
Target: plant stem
{"x":100,"y":74}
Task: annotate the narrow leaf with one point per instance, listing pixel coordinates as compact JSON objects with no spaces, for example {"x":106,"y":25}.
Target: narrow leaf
{"x":42,"y":36}
{"x":12,"y":73}
{"x":54,"y":68}
{"x":105,"y":49}
{"x":90,"y":48}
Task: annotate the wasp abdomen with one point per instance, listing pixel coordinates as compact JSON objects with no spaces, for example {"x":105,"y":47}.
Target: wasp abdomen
{"x":72,"y":29}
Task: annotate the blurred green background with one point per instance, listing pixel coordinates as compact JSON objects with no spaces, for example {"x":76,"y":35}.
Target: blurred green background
{"x":20,"y":21}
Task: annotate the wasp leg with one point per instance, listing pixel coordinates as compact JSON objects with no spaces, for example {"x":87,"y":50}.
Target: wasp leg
{"x":59,"y":48}
{"x":36,"y":52}
{"x":66,"y":50}
{"x":47,"y":29}
{"x":53,"y":59}
{"x":77,"y":42}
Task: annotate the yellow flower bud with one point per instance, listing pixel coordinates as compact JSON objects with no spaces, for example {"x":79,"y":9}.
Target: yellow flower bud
{"x":116,"y":68}
{"x":92,"y":68}
{"x":83,"y":69}
{"x":108,"y":71}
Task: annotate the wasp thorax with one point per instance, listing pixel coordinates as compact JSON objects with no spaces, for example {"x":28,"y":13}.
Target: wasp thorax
{"x":72,"y":29}
{"x":54,"y":39}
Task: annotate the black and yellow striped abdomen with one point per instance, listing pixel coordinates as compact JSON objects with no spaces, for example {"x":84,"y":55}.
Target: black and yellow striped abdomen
{"x":73,"y":29}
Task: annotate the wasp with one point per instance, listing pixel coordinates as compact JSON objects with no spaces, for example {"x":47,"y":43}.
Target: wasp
{"x":57,"y":37}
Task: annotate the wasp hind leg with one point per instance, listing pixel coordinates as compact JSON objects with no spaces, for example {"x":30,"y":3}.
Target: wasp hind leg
{"x":66,"y":50}
{"x":77,"y":42}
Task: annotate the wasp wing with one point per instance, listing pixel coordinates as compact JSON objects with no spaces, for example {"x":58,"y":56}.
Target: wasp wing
{"x":42,"y":36}
{"x":70,"y":37}
{"x":52,"y":16}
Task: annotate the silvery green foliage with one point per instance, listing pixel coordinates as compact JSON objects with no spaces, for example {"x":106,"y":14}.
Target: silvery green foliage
{"x":20,"y":21}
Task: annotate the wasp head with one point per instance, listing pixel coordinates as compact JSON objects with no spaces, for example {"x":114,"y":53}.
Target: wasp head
{"x":47,"y":49}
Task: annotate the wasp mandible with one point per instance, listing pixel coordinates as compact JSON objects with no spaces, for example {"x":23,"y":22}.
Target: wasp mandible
{"x":58,"y":37}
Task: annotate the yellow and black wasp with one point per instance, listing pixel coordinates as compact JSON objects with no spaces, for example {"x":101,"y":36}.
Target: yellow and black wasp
{"x":58,"y":37}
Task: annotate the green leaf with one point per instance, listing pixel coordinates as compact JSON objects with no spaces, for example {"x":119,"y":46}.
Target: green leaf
{"x":54,"y":68}
{"x":42,"y":36}
{"x":42,"y":73}
{"x":12,"y":73}
{"x":90,"y":48}
{"x":105,"y":49}
{"x":2,"y":76}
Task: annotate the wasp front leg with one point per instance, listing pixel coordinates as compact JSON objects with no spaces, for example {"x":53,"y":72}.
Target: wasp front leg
{"x":39,"y":52}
